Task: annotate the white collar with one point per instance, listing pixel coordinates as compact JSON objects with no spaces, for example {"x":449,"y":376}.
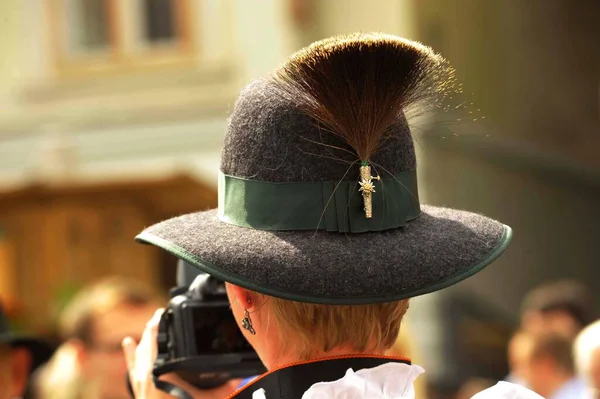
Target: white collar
{"x":393,"y":381}
{"x":389,"y":381}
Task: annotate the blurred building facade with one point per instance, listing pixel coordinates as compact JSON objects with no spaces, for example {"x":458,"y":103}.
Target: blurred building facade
{"x":112,"y":114}
{"x":112,"y":118}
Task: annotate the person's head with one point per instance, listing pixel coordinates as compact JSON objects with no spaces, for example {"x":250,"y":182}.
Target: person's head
{"x":318,"y":198}
{"x":548,"y":362}
{"x":300,"y":331}
{"x":93,"y":325}
{"x":517,"y":353}
{"x":14,"y":369}
{"x":586,"y":350}
{"x":564,"y":307}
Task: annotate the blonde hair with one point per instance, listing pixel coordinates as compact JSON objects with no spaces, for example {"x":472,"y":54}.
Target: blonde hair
{"x":323,"y":327}
{"x":77,"y":318}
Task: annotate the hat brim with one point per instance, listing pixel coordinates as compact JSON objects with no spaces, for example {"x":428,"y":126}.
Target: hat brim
{"x":440,"y":248}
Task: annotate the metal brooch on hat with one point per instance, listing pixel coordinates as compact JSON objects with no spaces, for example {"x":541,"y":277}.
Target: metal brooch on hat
{"x":367,"y":187}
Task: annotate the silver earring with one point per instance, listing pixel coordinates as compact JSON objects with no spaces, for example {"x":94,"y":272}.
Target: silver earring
{"x":247,"y":322}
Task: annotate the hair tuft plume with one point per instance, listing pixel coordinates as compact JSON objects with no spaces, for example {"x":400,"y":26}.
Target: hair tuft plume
{"x":359,"y":86}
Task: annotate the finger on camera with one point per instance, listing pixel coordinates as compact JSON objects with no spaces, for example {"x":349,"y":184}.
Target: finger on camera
{"x":146,"y":350}
{"x":129,"y":347}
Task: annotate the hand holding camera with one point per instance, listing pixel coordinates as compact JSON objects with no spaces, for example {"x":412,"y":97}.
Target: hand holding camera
{"x":140,"y":362}
{"x":193,"y":348}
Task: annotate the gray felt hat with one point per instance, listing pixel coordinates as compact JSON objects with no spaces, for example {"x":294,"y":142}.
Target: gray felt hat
{"x":300,"y":215}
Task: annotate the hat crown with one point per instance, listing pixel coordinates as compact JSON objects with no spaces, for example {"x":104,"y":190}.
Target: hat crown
{"x":270,"y":139}
{"x":334,"y":105}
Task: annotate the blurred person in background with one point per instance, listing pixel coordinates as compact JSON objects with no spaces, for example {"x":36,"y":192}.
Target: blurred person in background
{"x":563,"y":306}
{"x":587,"y":358}
{"x":90,"y":363}
{"x":548,"y":366}
{"x":517,"y":355}
{"x":19,"y":356}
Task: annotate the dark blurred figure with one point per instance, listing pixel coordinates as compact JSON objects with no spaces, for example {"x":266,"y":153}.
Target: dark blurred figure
{"x":587,"y":358}
{"x":90,"y":362}
{"x":19,"y":357}
{"x":564,"y":307}
{"x":548,"y":367}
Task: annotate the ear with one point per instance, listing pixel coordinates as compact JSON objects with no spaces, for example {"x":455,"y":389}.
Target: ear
{"x":239,"y":295}
{"x":21,"y":365}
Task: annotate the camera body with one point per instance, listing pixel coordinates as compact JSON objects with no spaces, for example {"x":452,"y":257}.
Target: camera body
{"x":199,"y":339}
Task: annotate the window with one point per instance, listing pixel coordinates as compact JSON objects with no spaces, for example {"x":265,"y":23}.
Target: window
{"x":159,"y":24}
{"x":113,"y":35}
{"x":88,"y":26}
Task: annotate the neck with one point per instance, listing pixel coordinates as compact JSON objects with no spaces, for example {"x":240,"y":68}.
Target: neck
{"x":279,"y":361}
{"x":552,"y":386}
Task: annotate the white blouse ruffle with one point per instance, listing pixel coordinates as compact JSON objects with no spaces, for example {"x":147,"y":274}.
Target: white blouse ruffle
{"x":389,"y":381}
{"x":393,"y":381}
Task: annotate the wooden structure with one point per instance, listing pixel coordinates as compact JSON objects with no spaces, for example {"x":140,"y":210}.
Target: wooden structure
{"x":68,"y":235}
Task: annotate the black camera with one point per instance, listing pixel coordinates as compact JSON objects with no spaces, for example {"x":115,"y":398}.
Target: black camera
{"x":198,"y":337}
